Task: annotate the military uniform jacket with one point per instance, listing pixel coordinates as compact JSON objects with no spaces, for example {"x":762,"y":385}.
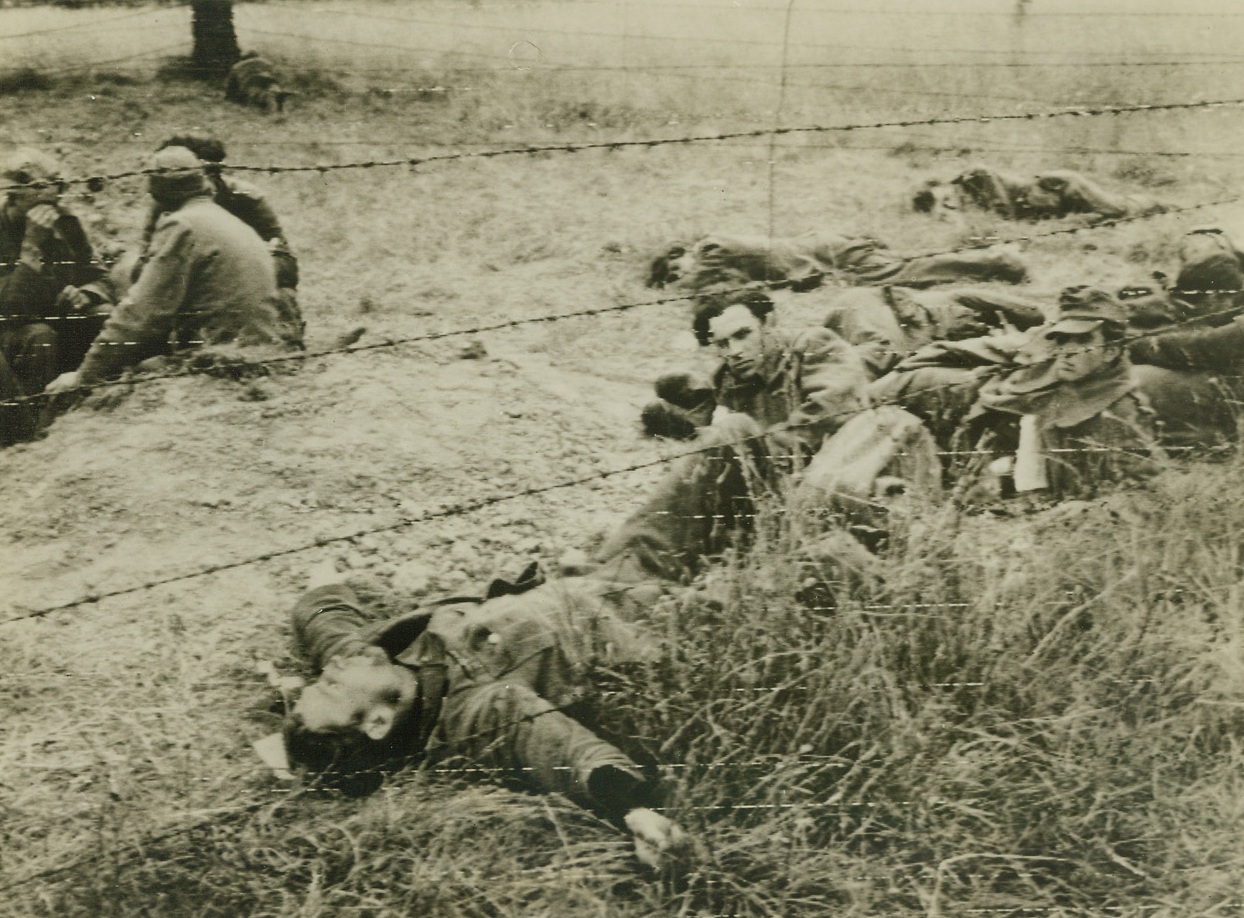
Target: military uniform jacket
{"x":27,"y":293}
{"x":809,"y":385}
{"x":209,"y":280}
{"x":546,"y":638}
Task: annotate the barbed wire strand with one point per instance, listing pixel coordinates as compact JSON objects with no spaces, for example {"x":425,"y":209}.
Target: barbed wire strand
{"x":415,"y":161}
{"x":95,"y":24}
{"x":683,"y":40}
{"x":902,"y":12}
{"x":544,"y":68}
{"x":472,"y":506}
{"x":913,"y":63}
{"x":300,"y":356}
{"x":965,"y":148}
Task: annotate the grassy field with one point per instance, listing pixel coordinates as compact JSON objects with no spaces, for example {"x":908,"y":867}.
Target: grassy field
{"x":1038,"y":715}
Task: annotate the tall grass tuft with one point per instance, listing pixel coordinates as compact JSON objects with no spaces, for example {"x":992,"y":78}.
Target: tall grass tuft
{"x":1003,"y":724}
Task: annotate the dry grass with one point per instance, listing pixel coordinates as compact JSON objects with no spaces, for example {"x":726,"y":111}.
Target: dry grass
{"x":1033,"y":714}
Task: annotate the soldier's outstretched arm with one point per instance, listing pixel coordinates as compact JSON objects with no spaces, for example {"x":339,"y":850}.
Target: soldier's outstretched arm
{"x":507,"y":726}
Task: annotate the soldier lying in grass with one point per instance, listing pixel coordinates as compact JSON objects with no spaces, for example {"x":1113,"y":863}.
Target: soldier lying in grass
{"x":1051,"y":194}
{"x":802,"y":262}
{"x":487,"y":679}
{"x":253,"y":81}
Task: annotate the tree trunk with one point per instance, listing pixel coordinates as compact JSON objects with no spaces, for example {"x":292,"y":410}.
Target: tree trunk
{"x":215,"y":41}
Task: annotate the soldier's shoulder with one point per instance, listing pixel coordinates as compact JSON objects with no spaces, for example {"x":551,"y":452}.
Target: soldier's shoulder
{"x":240,"y":188}
{"x":171,"y":220}
{"x":249,"y":65}
{"x":816,"y":340}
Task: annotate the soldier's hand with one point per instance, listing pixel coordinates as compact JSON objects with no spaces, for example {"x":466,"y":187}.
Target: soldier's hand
{"x":74,"y":299}
{"x":41,"y":224}
{"x":659,"y":841}
{"x":63,"y":383}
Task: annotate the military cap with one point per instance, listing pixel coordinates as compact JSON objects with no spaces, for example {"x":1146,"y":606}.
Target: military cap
{"x":203,"y":145}
{"x":1082,"y":309}
{"x":26,"y":166}
{"x":177,"y":174}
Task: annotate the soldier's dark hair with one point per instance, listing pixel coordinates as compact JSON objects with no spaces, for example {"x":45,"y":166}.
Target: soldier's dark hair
{"x":204,"y":146}
{"x":711,"y":305}
{"x":348,"y":760}
{"x":925,"y":200}
{"x":1113,"y":332}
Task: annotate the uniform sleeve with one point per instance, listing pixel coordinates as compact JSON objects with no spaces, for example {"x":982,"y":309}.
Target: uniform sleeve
{"x":30,"y":288}
{"x":26,"y":292}
{"x":831,"y":380}
{"x":249,"y":205}
{"x":1214,"y":349}
{"x":141,"y":323}
{"x":328,"y":622}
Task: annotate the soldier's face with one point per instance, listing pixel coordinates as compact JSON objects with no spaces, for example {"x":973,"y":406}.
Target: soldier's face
{"x":1080,"y":356}
{"x":346,"y":692}
{"x":27,"y":196}
{"x":740,"y":338}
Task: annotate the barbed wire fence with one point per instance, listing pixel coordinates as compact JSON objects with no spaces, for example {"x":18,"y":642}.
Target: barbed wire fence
{"x":507,"y":324}
{"x":136,"y":850}
{"x":473,"y":506}
{"x":596,"y":311}
{"x":457,"y":156}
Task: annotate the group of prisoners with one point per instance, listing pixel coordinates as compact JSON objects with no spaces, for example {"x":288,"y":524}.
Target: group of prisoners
{"x":927,"y":372}
{"x":943,"y":371}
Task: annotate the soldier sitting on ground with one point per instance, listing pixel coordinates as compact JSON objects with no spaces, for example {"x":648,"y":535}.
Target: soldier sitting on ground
{"x":883,"y":324}
{"x":240,"y":198}
{"x":253,"y":81}
{"x":1063,"y":400}
{"x":783,"y":412}
{"x":802,"y":262}
{"x":248,"y":204}
{"x":1077,"y":418}
{"x":1051,"y":194}
{"x":209,"y":281}
{"x":54,"y":294}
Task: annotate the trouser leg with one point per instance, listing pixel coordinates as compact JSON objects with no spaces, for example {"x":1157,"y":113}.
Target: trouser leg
{"x":1190,"y":408}
{"x":33,"y":354}
{"x":17,"y":418}
{"x":29,"y":358}
{"x":507,"y":726}
{"x":929,"y":270}
{"x":696,"y":507}
{"x":327,"y":622}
